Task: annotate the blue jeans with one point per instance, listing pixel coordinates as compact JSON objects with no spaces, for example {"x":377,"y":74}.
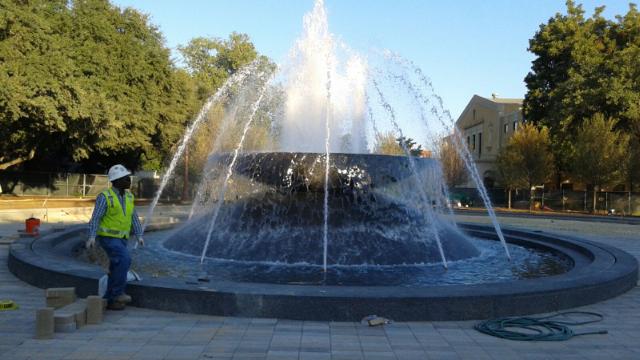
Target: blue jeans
{"x":119,"y":262}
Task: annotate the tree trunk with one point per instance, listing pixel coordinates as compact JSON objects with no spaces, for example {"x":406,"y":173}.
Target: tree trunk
{"x":509,"y":198}
{"x":595,"y":197}
{"x":185,"y":182}
{"x":8,"y":164}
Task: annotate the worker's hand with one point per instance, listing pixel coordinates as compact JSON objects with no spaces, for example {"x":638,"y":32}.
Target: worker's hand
{"x":91,"y":242}
{"x":140,"y":241}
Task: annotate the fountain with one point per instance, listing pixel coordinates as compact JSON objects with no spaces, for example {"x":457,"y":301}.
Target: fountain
{"x":275,"y":213}
{"x":320,"y":98}
{"x":318,"y":225}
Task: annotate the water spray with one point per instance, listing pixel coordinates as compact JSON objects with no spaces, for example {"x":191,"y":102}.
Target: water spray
{"x":234,"y":79}
{"x":254,"y":109}
{"x":424,"y":197}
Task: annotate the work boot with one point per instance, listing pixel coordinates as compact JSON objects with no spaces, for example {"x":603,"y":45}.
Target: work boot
{"x":116,"y":306}
{"x":123,"y":298}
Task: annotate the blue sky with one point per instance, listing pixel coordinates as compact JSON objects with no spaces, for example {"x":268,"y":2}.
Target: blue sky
{"x":466,"y":47}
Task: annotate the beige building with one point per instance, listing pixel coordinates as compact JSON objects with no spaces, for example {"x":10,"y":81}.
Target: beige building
{"x":486,"y":125}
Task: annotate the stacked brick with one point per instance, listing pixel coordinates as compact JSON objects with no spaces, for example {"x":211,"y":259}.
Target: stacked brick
{"x":66,"y":313}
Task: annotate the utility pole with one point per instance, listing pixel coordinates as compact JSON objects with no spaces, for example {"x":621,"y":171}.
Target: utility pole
{"x":185,"y":184}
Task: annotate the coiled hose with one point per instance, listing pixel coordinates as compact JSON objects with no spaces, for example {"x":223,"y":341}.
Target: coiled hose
{"x":538,"y":328}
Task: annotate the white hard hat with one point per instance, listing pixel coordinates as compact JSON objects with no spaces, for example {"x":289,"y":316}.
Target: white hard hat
{"x":118,"y":171}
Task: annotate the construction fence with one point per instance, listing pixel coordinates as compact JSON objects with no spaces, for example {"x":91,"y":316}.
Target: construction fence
{"x":79,"y":185}
{"x":607,"y":202}
{"x":145,"y":187}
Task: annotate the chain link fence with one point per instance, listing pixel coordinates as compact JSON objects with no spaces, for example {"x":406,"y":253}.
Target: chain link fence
{"x":79,"y":185}
{"x":144,"y":187}
{"x":607,"y":202}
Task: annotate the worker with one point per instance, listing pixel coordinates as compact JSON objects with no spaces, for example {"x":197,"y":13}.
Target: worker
{"x":114,"y":216}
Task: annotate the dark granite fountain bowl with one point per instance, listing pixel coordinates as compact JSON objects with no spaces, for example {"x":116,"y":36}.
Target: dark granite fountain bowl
{"x":274,"y":212}
{"x":598,"y":272}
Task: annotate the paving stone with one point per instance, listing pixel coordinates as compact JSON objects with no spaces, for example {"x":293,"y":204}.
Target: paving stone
{"x":346,"y":355}
{"x":304,"y":355}
{"x":382,"y":356}
{"x":282,"y":355}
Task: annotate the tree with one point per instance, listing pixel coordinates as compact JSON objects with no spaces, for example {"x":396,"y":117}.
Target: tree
{"x":632,"y":165}
{"x":600,"y":153}
{"x":410,"y":145}
{"x":386,"y":144}
{"x":35,"y":87}
{"x":211,"y":60}
{"x":509,"y":168}
{"x":453,"y":167}
{"x":85,"y":82}
{"x":584,"y":66}
{"x":527,"y":159}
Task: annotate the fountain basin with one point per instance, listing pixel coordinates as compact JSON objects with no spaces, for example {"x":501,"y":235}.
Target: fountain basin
{"x":273,"y":211}
{"x":599,"y":272}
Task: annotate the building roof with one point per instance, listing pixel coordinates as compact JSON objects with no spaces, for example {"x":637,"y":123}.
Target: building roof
{"x":493,"y":102}
{"x":506,"y":101}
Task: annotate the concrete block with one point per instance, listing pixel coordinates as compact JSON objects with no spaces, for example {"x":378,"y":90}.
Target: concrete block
{"x":60,"y":292}
{"x":60,"y":297}
{"x":75,"y":313}
{"x":81,"y":318}
{"x":44,"y":323}
{"x":95,"y":309}
{"x":64,"y":321}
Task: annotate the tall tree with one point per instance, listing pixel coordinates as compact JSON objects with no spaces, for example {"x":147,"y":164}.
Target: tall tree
{"x":37,"y":92}
{"x":509,"y":166}
{"x":623,"y":83}
{"x":527,"y":159}
{"x":600,"y":152}
{"x":135,"y":101}
{"x":85,"y":82}
{"x":453,"y":167}
{"x":584,"y":66}
{"x":632,"y":165}
{"x":212,"y":60}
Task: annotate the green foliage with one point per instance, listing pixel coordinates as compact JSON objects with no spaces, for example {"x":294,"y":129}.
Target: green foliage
{"x":211,"y":60}
{"x":225,"y":122}
{"x":632,"y":165}
{"x":410,"y":146}
{"x":600,"y":152}
{"x":584,"y":66}
{"x":83,"y":81}
{"x":527,"y":159}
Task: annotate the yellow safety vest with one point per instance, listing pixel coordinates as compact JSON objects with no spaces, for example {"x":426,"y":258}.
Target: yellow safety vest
{"x":115,"y":223}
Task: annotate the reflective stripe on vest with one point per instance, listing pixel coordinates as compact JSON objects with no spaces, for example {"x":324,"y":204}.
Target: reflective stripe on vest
{"x":116,"y":222}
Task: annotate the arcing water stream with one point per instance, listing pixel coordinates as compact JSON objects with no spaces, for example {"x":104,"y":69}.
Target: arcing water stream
{"x":234,"y":79}
{"x":325,"y":110}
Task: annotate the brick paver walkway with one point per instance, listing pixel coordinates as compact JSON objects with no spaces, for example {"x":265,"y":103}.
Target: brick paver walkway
{"x":146,"y":334}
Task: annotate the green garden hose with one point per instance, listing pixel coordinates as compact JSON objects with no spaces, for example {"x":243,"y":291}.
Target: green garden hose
{"x":540,"y":328}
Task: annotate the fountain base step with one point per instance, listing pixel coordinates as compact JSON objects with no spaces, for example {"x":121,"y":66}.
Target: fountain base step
{"x":601,"y":272}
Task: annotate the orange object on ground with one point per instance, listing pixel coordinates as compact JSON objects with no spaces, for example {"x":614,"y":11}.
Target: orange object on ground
{"x":32,"y":226}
